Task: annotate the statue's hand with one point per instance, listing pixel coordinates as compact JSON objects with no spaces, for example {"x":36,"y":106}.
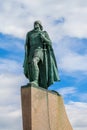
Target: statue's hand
{"x":44,"y":39}
{"x":42,"y":36}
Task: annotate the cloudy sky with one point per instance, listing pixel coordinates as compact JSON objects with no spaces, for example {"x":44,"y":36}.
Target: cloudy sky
{"x":66,"y":23}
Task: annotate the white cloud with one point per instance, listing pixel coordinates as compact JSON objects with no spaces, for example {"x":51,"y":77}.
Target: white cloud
{"x":10,"y":88}
{"x":71,"y":55}
{"x":18,"y":17}
{"x":11,"y":79}
{"x":10,"y":66}
{"x":10,"y":118}
{"x":10,"y":114}
{"x":67,"y":90}
{"x":76,"y":112}
{"x":10,"y":95}
{"x":74,"y":62}
{"x":10,"y":100}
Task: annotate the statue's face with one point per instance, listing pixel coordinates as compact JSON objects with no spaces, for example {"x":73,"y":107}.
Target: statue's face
{"x":36,"y":26}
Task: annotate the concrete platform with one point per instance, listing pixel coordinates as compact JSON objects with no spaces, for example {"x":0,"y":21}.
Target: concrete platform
{"x":43,"y":110}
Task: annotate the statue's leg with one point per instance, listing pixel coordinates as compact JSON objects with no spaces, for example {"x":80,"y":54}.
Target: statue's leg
{"x":35,"y":70}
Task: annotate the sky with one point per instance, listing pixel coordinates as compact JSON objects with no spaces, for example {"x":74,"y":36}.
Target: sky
{"x":66,"y":23}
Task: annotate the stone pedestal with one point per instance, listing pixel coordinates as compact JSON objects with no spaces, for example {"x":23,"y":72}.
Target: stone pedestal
{"x":43,"y":110}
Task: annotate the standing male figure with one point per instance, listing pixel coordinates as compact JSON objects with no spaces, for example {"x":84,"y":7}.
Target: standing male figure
{"x":40,"y":65}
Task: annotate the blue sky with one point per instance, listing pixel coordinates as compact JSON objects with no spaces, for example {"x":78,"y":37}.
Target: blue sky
{"x":66,"y":24}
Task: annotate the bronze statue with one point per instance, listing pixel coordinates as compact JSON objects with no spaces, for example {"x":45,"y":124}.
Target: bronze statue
{"x":40,"y":65}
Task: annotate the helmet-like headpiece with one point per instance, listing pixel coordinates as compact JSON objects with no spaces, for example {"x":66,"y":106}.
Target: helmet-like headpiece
{"x":39,"y":22}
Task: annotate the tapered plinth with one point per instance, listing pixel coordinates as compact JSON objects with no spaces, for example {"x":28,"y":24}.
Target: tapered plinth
{"x":43,"y":110}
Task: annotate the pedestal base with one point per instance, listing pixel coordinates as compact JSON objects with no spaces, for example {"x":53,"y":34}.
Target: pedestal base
{"x":43,"y":110}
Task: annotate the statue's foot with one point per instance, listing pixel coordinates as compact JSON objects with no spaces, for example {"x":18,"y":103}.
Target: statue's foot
{"x":34,"y":83}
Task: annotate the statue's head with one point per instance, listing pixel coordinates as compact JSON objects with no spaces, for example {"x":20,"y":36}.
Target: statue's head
{"x":38,"y":23}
